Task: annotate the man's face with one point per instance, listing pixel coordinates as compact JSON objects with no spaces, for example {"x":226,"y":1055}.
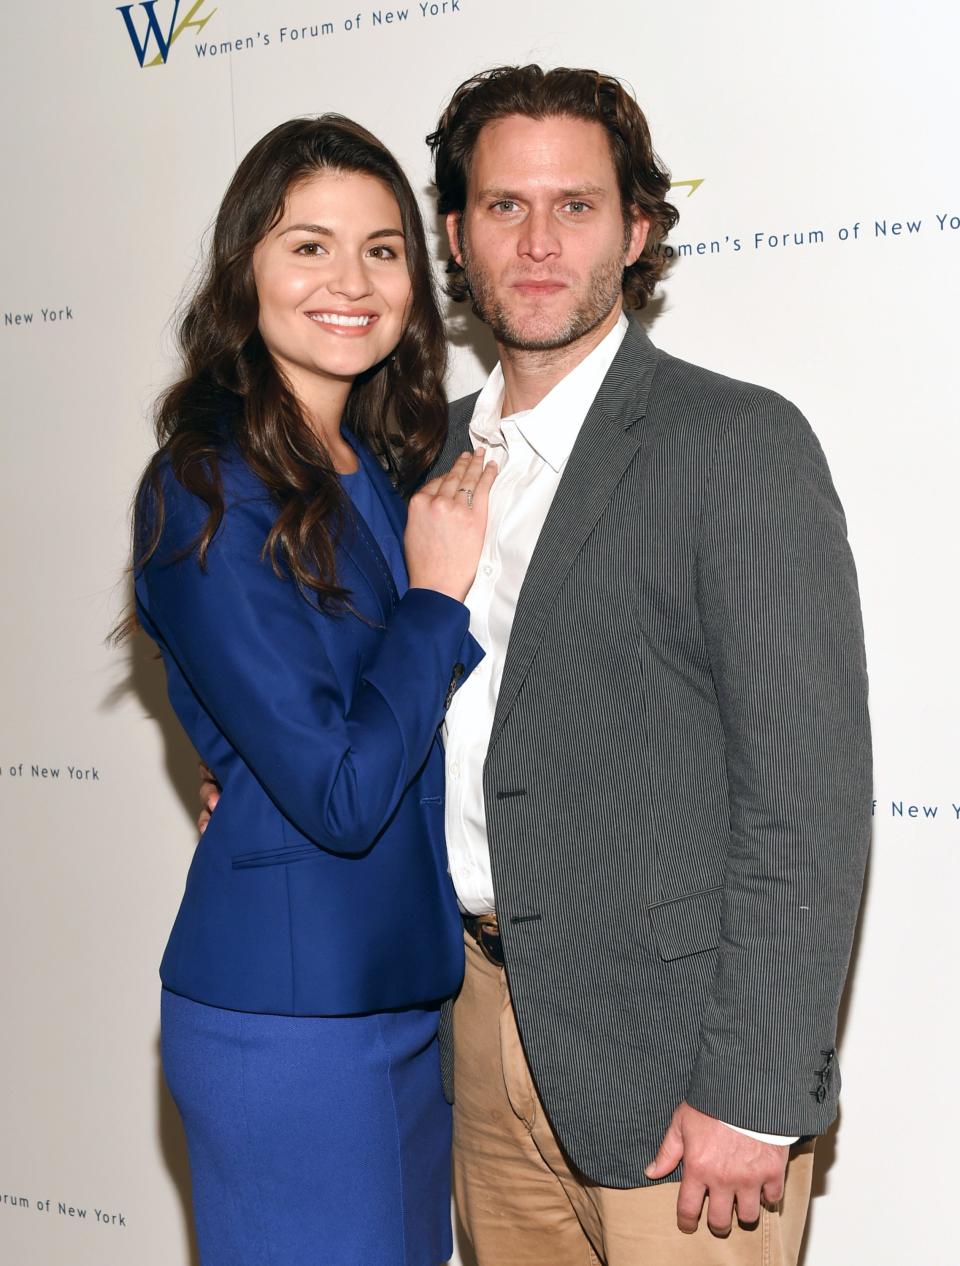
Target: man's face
{"x":543,"y":240}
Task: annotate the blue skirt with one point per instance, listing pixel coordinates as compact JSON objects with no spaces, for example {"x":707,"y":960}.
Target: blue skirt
{"x":313,"y":1141}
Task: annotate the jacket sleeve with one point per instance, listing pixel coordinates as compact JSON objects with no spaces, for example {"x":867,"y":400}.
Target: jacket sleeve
{"x":251,"y":648}
{"x":779,"y":607}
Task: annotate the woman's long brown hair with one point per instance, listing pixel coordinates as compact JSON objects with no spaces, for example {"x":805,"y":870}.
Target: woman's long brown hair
{"x":230,"y":387}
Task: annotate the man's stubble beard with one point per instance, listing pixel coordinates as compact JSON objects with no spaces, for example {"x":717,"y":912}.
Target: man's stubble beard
{"x":604,"y":289}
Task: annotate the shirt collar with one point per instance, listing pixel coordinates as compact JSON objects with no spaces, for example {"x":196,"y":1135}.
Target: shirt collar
{"x":552,"y":426}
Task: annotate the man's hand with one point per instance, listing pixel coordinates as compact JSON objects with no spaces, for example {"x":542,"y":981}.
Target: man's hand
{"x":209,"y":795}
{"x":719,"y":1162}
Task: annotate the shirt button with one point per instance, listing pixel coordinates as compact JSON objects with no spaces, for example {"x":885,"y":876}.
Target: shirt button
{"x":487,"y":569}
{"x":455,"y":769}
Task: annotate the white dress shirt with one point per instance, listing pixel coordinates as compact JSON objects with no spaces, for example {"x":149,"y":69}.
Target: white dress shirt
{"x":531,"y":449}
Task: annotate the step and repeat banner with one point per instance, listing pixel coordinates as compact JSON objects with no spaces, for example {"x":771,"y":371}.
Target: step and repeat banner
{"x":818,"y":252}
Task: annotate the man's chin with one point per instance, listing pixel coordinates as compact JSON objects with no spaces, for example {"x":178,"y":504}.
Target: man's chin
{"x":518,"y":343}
{"x":536,"y":334}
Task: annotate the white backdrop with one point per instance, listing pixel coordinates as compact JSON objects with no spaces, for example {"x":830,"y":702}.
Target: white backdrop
{"x":830,"y":126}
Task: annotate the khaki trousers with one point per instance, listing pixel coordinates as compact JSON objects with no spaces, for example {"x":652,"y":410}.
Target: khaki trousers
{"x":519,"y":1200}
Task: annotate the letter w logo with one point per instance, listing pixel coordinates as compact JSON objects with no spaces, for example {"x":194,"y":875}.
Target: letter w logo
{"x":154,"y":31}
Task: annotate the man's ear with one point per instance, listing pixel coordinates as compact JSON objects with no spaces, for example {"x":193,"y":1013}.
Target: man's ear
{"x":639,"y":228}
{"x":453,"y":235}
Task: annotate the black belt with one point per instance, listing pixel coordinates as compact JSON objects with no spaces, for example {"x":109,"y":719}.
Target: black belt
{"x":483,"y":928}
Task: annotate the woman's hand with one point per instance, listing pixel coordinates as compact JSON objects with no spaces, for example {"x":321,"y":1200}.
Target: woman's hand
{"x":446,"y":522}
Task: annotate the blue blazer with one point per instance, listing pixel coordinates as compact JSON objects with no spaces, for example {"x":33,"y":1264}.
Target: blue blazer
{"x":320,"y":886}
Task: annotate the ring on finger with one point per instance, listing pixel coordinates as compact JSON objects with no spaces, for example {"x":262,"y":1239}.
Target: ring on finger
{"x":469,"y":495}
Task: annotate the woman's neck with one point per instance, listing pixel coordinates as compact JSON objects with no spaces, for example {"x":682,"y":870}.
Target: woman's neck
{"x":323,"y":401}
{"x":330,"y":436}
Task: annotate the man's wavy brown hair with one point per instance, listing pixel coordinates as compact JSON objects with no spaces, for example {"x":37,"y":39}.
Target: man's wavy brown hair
{"x":230,"y":388}
{"x":539,"y":94}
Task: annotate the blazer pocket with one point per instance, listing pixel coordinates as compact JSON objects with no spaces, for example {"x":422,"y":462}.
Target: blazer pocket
{"x":274,"y":856}
{"x":687,"y":925}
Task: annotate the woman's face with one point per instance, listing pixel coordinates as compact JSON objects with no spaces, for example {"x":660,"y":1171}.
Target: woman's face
{"x":332,"y":279}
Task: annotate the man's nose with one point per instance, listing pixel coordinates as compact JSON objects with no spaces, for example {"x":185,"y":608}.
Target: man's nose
{"x":538,"y":238}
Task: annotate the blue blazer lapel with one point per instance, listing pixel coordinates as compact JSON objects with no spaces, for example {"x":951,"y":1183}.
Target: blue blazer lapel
{"x":358,"y":542}
{"x":390,"y":499}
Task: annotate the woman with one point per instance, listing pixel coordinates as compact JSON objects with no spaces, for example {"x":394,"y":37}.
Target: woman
{"x":310,"y":667}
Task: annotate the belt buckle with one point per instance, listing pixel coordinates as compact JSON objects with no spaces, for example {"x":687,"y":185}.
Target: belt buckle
{"x":486,"y":933}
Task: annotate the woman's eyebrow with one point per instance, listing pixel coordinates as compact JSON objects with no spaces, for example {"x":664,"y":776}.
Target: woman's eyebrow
{"x":308,"y":228}
{"x":325,"y":232}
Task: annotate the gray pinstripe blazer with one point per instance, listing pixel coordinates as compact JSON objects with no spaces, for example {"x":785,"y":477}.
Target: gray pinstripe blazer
{"x":678,"y":780}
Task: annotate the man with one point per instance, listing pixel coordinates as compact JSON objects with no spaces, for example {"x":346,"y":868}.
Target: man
{"x":659,"y":778}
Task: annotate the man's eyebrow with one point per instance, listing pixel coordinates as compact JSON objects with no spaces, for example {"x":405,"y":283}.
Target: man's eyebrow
{"x":583,"y":191}
{"x":323,"y":231}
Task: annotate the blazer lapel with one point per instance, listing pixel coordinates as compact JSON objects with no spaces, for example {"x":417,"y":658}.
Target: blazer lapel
{"x":458,"y":434}
{"x":390,"y":499}
{"x":607,"y":444}
{"x":364,"y":553}
{"x":358,"y":542}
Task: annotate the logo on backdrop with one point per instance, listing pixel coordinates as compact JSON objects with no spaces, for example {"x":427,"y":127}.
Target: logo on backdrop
{"x":879,"y":226}
{"x":150,"y":31}
{"x":154,"y":27}
{"x":26,"y":771}
{"x":39,"y":316}
{"x":72,"y":1212}
{"x":922,"y":812}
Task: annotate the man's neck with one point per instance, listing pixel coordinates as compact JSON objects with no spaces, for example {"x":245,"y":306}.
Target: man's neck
{"x":528,"y":376}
